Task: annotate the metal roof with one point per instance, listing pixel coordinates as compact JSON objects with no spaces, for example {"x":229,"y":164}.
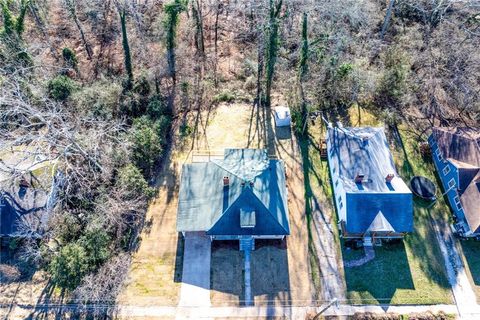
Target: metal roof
{"x":363,"y":150}
{"x":205,"y":204}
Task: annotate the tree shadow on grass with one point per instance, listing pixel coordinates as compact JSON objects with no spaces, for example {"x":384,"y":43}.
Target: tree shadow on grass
{"x":471,"y":248}
{"x":422,"y":241}
{"x":378,"y":280}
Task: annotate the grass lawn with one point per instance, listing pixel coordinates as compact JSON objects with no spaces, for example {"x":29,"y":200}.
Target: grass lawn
{"x":408,"y":272}
{"x":471,"y":248}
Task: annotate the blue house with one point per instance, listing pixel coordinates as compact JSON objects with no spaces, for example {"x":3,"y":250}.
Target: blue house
{"x":372,"y":201}
{"x":240,"y":197}
{"x":456,"y":154}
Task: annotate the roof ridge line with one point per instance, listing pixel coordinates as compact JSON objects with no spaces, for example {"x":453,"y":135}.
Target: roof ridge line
{"x":225,"y":169}
{"x":221,"y":215}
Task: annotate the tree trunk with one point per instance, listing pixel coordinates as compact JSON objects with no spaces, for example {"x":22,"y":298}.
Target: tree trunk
{"x":126,"y":50}
{"x":88,"y":49}
{"x":215,"y":70}
{"x":199,"y":38}
{"x":388,"y":16}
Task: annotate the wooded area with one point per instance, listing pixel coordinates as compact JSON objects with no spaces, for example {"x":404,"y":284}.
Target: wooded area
{"x":105,"y":87}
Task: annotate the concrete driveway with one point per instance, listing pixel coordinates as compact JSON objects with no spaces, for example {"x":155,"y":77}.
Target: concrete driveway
{"x":195,"y":289}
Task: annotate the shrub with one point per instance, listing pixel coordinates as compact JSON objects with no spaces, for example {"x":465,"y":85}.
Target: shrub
{"x":297,"y":120}
{"x":162,"y":125}
{"x":224,"y":96}
{"x":131,"y":179}
{"x":61,"y":87}
{"x":185,"y":130}
{"x":142,"y":87}
{"x":147,"y":144}
{"x":157,"y":107}
{"x":99,"y":100}
{"x":69,"y":57}
{"x":344,"y":70}
{"x":68,"y":227}
{"x":69,"y":266}
{"x":96,"y":242}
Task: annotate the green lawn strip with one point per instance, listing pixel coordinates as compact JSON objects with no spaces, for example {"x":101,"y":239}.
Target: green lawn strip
{"x":409,"y":272}
{"x":471,"y":248}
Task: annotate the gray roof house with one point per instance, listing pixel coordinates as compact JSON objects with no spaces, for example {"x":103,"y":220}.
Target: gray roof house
{"x":242,"y":195}
{"x":372,"y":201}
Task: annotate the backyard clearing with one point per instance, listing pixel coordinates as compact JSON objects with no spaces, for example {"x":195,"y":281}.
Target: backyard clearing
{"x":408,"y":272}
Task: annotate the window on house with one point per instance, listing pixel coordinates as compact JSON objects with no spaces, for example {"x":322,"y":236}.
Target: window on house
{"x":341,"y":205}
{"x":451,"y":183}
{"x":456,"y":199}
{"x":446,"y":170}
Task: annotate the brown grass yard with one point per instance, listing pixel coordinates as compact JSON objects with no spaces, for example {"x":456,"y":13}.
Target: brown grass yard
{"x":279,"y":273}
{"x":155,"y":274}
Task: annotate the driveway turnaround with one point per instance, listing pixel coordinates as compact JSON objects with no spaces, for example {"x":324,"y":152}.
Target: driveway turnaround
{"x":195,"y":290}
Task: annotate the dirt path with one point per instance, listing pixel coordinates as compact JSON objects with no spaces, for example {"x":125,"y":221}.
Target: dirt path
{"x":332,"y":282}
{"x":287,"y":149}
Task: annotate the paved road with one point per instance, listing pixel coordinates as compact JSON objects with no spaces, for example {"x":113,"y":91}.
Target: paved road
{"x":462,"y":290}
{"x":195,"y":290}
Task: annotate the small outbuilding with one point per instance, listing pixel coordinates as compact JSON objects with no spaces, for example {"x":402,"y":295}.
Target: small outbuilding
{"x":282,"y":116}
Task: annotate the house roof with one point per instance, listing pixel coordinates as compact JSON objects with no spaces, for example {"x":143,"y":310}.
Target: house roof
{"x":22,"y":206}
{"x":459,"y":143}
{"x":461,"y":146}
{"x":470,"y":201}
{"x":363,"y":150}
{"x":255,"y":182}
{"x":373,"y":204}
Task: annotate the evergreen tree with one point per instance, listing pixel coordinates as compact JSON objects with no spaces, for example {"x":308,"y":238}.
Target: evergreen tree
{"x":272,"y":46}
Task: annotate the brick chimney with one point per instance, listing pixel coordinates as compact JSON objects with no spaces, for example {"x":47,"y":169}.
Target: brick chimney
{"x":389,"y":177}
{"x":359,"y":178}
{"x":226,"y":181}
